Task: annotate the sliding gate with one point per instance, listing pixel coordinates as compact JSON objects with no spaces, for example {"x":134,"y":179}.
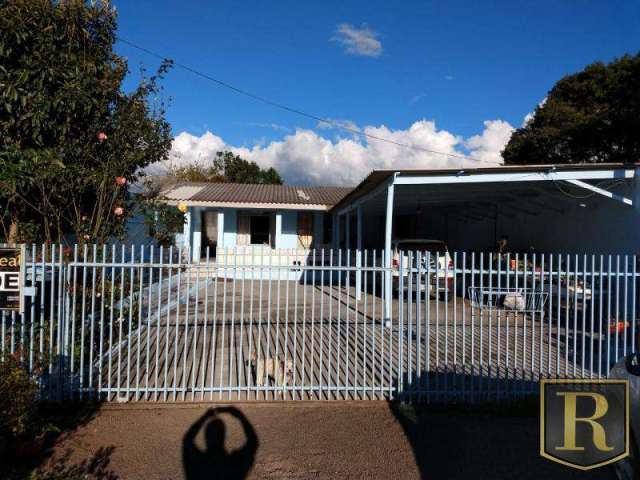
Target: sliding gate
{"x":142,"y":324}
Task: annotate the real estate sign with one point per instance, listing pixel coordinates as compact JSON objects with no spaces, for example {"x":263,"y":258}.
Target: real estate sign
{"x":11,"y":263}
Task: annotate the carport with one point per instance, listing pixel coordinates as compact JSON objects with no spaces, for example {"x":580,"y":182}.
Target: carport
{"x":564,"y":208}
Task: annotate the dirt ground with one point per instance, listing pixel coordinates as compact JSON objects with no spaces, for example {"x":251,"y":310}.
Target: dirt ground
{"x":311,"y":440}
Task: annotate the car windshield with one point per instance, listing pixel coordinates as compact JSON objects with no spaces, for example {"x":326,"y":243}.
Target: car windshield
{"x":434,"y":247}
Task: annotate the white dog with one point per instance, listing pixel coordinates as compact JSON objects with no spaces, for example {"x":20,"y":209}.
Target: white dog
{"x":271,"y":370}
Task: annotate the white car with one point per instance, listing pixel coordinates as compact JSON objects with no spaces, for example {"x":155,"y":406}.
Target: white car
{"x":570,"y":290}
{"x":441,"y":273}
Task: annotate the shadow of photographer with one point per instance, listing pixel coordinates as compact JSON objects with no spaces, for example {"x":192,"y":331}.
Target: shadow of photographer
{"x":215,"y":461}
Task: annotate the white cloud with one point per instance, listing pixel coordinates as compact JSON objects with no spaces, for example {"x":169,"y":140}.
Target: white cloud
{"x":332,"y":124}
{"x":341,"y":128}
{"x":417,"y":98}
{"x":307,"y":158}
{"x":358,"y":41}
{"x":529,"y":116}
{"x":488,"y":145}
{"x":273,"y":126}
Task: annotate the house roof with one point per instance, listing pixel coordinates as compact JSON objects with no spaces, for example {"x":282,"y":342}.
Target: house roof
{"x":255,"y":195}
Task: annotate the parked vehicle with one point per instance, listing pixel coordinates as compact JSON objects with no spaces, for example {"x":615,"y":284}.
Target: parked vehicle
{"x":566,"y":290}
{"x":440,"y":267}
{"x":572,"y":293}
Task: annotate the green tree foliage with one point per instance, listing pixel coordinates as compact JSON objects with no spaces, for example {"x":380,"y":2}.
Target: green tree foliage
{"x":590,"y":117}
{"x":71,"y":140}
{"x":162,"y":220}
{"x":226,"y":167}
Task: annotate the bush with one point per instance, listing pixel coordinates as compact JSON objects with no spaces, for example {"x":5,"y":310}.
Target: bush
{"x":18,"y":400}
{"x":30,"y":426}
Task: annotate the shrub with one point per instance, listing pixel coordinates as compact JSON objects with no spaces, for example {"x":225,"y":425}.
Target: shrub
{"x":18,"y":400}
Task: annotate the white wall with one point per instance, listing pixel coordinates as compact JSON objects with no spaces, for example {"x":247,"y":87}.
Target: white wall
{"x":286,"y":234}
{"x":230,"y":227}
{"x":288,"y":237}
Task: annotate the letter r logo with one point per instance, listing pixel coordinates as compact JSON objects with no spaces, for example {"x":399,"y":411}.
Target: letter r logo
{"x":584,"y":423}
{"x":571,"y":419}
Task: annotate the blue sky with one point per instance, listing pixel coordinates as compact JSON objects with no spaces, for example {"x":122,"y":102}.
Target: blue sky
{"x":428,"y":73}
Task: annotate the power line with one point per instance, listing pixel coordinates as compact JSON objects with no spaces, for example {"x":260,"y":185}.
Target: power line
{"x":297,"y":111}
{"x":604,"y":184}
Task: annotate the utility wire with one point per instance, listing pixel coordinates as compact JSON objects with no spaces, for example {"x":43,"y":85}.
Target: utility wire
{"x":297,"y":111}
{"x":604,"y":184}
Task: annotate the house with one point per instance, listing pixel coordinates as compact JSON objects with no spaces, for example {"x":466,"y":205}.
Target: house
{"x":254,"y":219}
{"x":544,"y":208}
{"x":564,"y":210}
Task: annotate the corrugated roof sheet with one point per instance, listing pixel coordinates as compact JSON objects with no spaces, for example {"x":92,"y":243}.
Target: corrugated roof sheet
{"x":253,"y":193}
{"x":377,"y":177}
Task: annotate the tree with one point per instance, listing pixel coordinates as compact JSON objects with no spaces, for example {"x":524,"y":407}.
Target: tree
{"x":226,"y":167}
{"x":162,"y":220}
{"x":238,"y":170}
{"x":590,"y":117}
{"x":71,"y":140}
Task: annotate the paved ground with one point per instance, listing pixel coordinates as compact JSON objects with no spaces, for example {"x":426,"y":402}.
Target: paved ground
{"x":338,"y":347}
{"x":315,"y":440}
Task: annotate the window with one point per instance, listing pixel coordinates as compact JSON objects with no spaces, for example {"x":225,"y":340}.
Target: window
{"x":259,"y":230}
{"x":305,"y":230}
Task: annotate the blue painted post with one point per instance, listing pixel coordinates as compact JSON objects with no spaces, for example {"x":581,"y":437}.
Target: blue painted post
{"x":636,"y":190}
{"x":278,"y":231}
{"x":358,"y":252}
{"x":387,"y":255}
{"x":186,"y":239}
{"x":220,"y":227}
{"x":196,"y":222}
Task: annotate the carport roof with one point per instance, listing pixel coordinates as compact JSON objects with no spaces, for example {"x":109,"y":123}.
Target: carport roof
{"x":379,"y":178}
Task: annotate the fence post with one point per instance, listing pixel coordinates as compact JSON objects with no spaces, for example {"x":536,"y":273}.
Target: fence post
{"x":186,"y":241}
{"x":196,"y":241}
{"x":358,"y":253}
{"x":388,"y":294}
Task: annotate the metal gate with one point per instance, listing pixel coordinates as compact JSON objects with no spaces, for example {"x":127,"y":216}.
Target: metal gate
{"x":143,"y":323}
